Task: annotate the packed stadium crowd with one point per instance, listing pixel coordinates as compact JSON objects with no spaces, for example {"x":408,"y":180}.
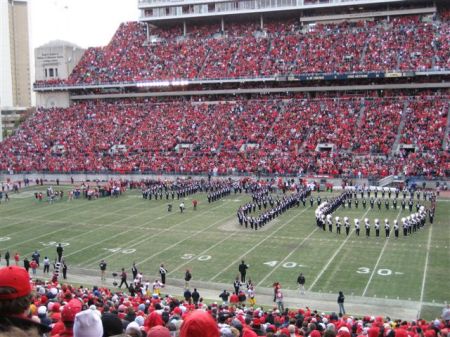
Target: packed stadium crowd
{"x":271,"y":135}
{"x":37,"y":308}
{"x":242,"y":50}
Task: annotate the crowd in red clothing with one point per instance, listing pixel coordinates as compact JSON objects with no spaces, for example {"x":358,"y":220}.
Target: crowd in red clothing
{"x":424,"y":124}
{"x":65,"y":308}
{"x":379,"y":126}
{"x":271,"y":135}
{"x":407,"y":43}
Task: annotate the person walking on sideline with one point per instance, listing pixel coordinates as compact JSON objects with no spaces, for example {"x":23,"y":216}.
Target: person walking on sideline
{"x":102,"y":266}
{"x":64,"y":270}
{"x":134,"y":270}
{"x":301,"y":283}
{"x":7,"y":257}
{"x":33,"y":266}
{"x":195,"y":297}
{"x":224,"y":295}
{"x":236,"y":285}
{"x":243,"y":270}
{"x":59,"y":251}
{"x":279,"y":300}
{"x":187,"y":278}
{"x":46,"y":265}
{"x":26,"y":264}
{"x":340,"y":301}
{"x":163,"y":272}
{"x":17,"y":258}
{"x":123,"y":278}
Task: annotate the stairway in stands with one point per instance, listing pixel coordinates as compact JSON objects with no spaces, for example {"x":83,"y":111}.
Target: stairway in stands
{"x":400,"y":128}
{"x":445,"y":144}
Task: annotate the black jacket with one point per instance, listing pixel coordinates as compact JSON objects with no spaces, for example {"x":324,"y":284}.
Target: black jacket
{"x":6,"y":322}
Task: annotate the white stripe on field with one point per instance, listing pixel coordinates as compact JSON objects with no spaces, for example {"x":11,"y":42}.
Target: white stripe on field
{"x":425,"y":271}
{"x":376,"y":264}
{"x":334,"y":255}
{"x":288,"y":256}
{"x":138,"y":240}
{"x":254,"y":247}
{"x":203,"y":252}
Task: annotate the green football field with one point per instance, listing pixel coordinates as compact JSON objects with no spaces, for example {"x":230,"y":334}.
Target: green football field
{"x":210,"y":242}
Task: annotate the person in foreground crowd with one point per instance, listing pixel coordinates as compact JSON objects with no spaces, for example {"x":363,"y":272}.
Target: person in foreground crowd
{"x":15,"y":301}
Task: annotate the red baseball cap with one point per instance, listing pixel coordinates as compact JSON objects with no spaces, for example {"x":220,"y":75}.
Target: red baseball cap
{"x":16,"y":278}
{"x":70,"y":310}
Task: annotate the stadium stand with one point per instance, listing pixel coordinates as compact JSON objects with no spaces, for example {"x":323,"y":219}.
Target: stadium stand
{"x":272,"y":135}
{"x":243,"y":50}
{"x":372,"y":133}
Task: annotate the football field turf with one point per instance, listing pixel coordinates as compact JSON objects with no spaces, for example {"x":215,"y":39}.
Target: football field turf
{"x":210,"y":242}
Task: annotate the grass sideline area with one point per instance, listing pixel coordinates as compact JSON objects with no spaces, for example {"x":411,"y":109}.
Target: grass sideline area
{"x":210,"y":242}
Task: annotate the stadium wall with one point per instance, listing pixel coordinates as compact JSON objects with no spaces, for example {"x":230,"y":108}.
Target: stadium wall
{"x":80,"y":177}
{"x":50,"y":178}
{"x":47,"y":100}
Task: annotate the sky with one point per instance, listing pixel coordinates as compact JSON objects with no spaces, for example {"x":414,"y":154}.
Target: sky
{"x":86,"y":23}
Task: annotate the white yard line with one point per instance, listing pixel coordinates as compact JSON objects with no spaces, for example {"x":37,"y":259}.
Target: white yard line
{"x":422,"y":290}
{"x":113,"y":222}
{"x":177,"y":243}
{"x":203,"y":252}
{"x":334,"y":255}
{"x":255,"y":246}
{"x":48,"y":234}
{"x":138,"y":240}
{"x":287,"y":256}
{"x":374,"y":269}
{"x":73,"y":237}
{"x":34,"y":218}
{"x":96,"y":243}
{"x":53,"y":213}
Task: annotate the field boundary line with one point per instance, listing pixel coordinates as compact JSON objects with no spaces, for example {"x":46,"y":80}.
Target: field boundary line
{"x":287,"y":257}
{"x":203,"y":252}
{"x":254,"y":247}
{"x":334,"y":255}
{"x":425,"y":269}
{"x":176,"y":243}
{"x":139,"y":240}
{"x":378,"y":261}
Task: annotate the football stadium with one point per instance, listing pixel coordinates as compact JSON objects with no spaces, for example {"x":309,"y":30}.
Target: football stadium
{"x":233,"y":168}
